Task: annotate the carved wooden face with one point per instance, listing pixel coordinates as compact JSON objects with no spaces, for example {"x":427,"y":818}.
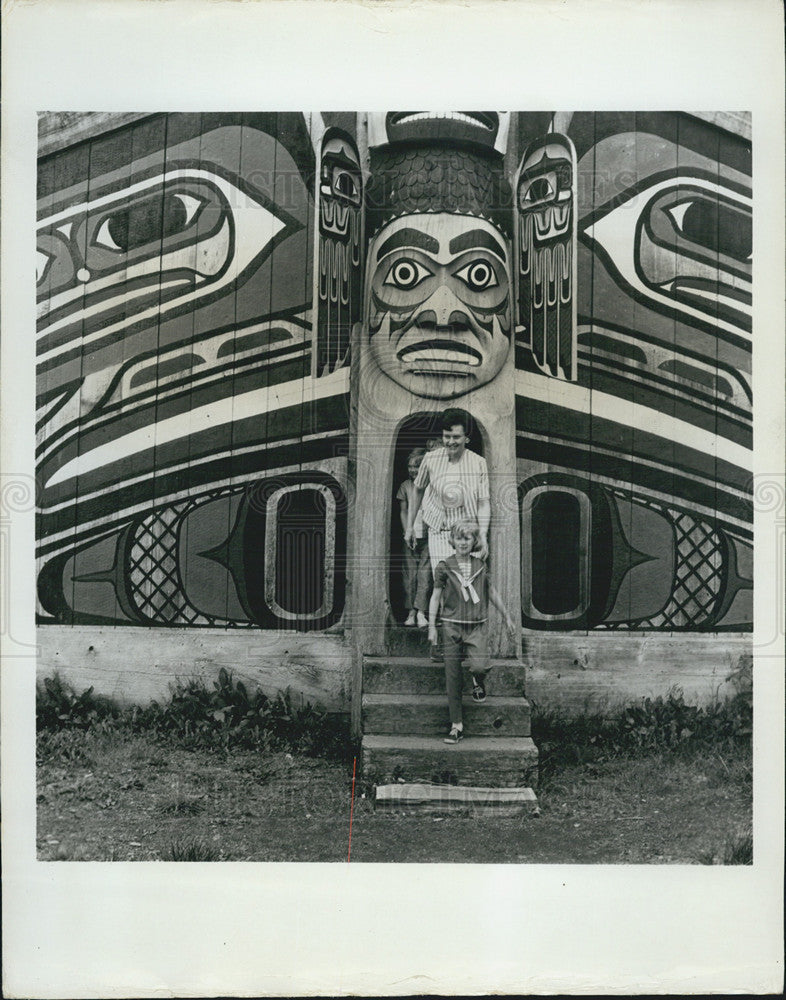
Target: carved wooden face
{"x":438,"y":310}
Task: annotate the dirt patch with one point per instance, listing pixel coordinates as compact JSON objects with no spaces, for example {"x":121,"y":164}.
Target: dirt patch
{"x":117,"y":798}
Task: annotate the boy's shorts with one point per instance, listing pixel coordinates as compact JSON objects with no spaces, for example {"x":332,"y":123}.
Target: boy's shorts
{"x":474,"y":641}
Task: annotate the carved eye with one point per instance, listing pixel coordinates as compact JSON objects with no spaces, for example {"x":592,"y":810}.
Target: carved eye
{"x":538,"y":190}
{"x":406,"y":274}
{"x":478,"y":275}
{"x":147,"y":221}
{"x":346,"y":185}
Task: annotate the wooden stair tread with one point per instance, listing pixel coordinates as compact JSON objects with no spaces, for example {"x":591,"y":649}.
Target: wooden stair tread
{"x":426,"y":660}
{"x":469,"y":745}
{"x":492,"y":701}
{"x":417,"y":798}
{"x":417,"y":791}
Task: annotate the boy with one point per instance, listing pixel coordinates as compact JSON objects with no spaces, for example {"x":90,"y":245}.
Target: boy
{"x":417,"y":564}
{"x":461,"y":582}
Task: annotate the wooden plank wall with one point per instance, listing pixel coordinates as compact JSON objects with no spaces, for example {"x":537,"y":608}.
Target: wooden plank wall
{"x":137,"y":665}
{"x":574,"y":673}
{"x":175,"y":362}
{"x":654,"y":432}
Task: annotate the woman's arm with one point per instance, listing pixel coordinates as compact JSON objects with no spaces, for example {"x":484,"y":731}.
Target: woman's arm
{"x":484,"y":517}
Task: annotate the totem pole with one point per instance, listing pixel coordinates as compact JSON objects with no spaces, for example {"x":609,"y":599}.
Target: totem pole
{"x":453,"y":269}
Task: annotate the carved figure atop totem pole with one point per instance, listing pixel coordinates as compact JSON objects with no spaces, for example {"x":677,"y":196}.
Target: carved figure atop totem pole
{"x":451,"y":256}
{"x":438,"y":288}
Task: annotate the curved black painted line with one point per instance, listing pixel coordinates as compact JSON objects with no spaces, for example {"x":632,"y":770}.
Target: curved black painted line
{"x":200,"y":477}
{"x":592,"y":366}
{"x":290,"y":314}
{"x":190,"y":307}
{"x":105,"y":415}
{"x":687,"y":251}
{"x":552,"y":421}
{"x":625,"y":471}
{"x":736,"y":317}
{"x":650,"y":181}
{"x":743,"y":375}
{"x":178,"y":405}
{"x":711,"y":420}
{"x":202,"y":123}
{"x":600,"y":254}
{"x":291,"y":226}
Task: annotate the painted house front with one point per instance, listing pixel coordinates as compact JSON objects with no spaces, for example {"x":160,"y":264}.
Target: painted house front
{"x":247,"y":321}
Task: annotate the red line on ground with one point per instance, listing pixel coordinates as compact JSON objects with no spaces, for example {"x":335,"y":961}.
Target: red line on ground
{"x":351,"y":807}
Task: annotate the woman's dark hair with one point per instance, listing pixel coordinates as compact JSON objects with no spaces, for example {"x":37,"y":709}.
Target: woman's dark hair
{"x":455,"y":416}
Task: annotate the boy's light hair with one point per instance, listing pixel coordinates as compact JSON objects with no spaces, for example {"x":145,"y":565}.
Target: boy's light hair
{"x":417,"y":454}
{"x":465,"y":528}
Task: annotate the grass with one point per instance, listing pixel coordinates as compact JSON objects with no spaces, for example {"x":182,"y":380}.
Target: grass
{"x":127,"y":798}
{"x":221,"y":774}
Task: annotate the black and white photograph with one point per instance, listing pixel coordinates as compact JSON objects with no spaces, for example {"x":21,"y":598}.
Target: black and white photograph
{"x":418,"y":441}
{"x":392,"y":500}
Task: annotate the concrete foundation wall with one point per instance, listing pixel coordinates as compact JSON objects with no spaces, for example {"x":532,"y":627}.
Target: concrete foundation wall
{"x":571,"y":672}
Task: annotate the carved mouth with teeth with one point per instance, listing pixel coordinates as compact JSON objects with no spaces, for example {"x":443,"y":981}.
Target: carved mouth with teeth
{"x":480,"y":119}
{"x":480,"y":128}
{"x":434,"y":356}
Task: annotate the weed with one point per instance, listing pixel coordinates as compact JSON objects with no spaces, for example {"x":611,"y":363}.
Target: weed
{"x":221,"y":716}
{"x":648,"y":726}
{"x":183,"y":805}
{"x":59,"y":706}
{"x":738,"y":850}
{"x":190,"y":849}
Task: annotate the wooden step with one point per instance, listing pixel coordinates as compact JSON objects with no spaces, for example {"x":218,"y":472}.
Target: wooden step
{"x":427,"y":714}
{"x":422,"y":799}
{"x":414,"y":675}
{"x":490,"y":762}
{"x":403,"y":641}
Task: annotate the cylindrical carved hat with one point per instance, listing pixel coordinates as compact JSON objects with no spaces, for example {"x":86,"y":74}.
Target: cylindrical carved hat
{"x":437,"y":177}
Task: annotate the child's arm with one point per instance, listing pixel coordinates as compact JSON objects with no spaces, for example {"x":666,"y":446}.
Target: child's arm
{"x":404,"y":515}
{"x":433,"y":610}
{"x":496,"y":600}
{"x":409,"y":530}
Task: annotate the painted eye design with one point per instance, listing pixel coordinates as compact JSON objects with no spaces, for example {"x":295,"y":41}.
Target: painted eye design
{"x":538,"y":190}
{"x":345,"y":185}
{"x":685,"y":243}
{"x":714,"y":225}
{"x":147,"y":221}
{"x":478,"y":275}
{"x":406,"y":274}
{"x":43,"y":262}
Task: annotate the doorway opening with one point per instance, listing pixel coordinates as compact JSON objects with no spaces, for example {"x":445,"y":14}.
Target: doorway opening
{"x":418,"y":431}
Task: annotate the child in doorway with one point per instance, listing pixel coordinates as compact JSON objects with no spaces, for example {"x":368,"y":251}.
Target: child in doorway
{"x":417,"y":564}
{"x":461,"y":583}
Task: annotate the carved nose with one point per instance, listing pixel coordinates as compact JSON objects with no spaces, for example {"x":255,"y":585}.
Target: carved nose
{"x":443,"y":308}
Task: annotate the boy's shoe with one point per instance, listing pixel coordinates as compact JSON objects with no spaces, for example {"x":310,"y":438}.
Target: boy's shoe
{"x":411,"y":618}
{"x":454,"y":735}
{"x":478,"y":689}
{"x":436,"y":654}
{"x":422,"y":621}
